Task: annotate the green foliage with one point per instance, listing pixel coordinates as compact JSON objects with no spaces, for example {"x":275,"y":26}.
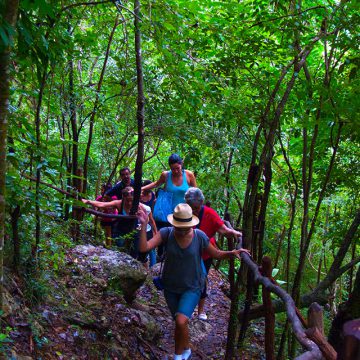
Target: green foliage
{"x":209,"y":71}
{"x":5,"y":339}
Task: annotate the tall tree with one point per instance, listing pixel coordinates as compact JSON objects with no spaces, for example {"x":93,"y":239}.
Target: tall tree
{"x":8,"y":15}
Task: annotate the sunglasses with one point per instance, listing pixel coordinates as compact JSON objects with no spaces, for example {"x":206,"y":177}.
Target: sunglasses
{"x":131,"y":193}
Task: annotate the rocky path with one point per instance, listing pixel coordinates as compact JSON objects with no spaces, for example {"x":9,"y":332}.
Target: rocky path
{"x":83,"y":317}
{"x":208,"y":338}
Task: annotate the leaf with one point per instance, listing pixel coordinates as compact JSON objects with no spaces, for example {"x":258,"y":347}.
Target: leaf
{"x":274,"y":272}
{"x":4,"y":37}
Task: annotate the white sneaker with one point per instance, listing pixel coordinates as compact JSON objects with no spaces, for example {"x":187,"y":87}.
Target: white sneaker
{"x":202,"y":316}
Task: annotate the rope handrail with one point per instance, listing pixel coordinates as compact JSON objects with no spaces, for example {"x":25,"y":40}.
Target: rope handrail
{"x":313,"y":351}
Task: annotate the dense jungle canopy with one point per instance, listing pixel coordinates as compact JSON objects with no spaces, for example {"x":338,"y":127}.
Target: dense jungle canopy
{"x":260,"y":98}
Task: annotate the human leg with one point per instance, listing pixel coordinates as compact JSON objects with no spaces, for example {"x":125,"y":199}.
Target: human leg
{"x":182,"y":340}
{"x":201,"y":306}
{"x":181,"y":307}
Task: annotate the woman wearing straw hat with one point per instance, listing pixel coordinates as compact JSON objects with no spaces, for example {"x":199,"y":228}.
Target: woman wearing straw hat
{"x":183,"y":275}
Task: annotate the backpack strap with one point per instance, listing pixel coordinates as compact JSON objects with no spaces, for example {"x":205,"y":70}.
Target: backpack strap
{"x":165,"y":240}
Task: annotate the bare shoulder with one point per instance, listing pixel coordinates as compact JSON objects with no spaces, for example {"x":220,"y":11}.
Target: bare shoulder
{"x":190,"y":177}
{"x":163,"y":176}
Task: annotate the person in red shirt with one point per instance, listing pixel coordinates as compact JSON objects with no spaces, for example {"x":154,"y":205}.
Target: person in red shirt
{"x":210,"y":223}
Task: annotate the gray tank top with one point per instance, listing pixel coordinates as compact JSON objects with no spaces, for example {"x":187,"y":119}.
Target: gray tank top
{"x":182,"y":267}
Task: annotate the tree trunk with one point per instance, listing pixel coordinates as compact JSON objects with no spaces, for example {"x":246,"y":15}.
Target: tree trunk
{"x":8,"y":11}
{"x":15,"y":216}
{"x":140,"y":108}
{"x":38,"y":168}
{"x":347,"y":311}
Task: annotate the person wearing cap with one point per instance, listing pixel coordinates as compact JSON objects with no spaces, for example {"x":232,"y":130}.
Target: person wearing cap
{"x":183,"y":275}
{"x":210,"y":223}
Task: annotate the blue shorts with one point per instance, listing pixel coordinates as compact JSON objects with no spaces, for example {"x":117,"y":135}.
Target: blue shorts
{"x":184,"y":303}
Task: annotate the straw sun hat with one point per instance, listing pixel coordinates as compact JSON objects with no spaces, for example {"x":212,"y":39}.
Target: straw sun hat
{"x":183,"y":217}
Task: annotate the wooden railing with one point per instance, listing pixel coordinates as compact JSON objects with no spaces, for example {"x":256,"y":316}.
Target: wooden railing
{"x":303,"y":336}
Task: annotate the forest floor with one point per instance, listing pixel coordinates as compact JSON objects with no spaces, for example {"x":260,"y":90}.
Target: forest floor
{"x":80,"y":319}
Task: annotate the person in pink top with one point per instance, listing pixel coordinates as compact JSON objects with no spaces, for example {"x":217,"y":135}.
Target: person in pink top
{"x":106,"y":222}
{"x":210,"y":223}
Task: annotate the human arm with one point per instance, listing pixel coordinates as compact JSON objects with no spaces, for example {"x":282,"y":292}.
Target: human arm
{"x":144,"y":245}
{"x":115,"y":190}
{"x":152,"y":223}
{"x":228,"y":232}
{"x":156,"y":183}
{"x":220,"y":254}
{"x":190,"y":178}
{"x":101,"y":204}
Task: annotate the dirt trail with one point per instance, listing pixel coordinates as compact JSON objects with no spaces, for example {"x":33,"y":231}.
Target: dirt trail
{"x":80,"y":318}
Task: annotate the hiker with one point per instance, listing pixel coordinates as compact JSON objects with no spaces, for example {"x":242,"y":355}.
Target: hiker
{"x":183,"y":274}
{"x":177,"y":180}
{"x":126,"y":180}
{"x":123,"y":227}
{"x":148,"y":198}
{"x":106,"y":222}
{"x":210,"y":223}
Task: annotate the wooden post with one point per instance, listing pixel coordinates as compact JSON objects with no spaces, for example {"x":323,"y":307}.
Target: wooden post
{"x":315,"y":332}
{"x":351,"y":348}
{"x":270,"y":314}
{"x":315,"y":317}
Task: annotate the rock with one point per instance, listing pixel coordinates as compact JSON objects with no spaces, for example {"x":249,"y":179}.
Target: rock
{"x":152,"y":331}
{"x":199,"y":330}
{"x":123,"y":273}
{"x":10,"y":305}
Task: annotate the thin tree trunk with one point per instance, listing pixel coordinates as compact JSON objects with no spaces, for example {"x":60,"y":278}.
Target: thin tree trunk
{"x":8,"y":12}
{"x":15,"y":216}
{"x":266,"y":155}
{"x":38,"y":168}
{"x":351,"y":272}
{"x":74,"y":127}
{"x":96,"y":104}
{"x":140,"y":108}
{"x":303,"y":253}
{"x":227,"y":172}
{"x":281,"y":238}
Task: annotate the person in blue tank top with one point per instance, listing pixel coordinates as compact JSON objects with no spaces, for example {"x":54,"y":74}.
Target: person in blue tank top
{"x":176,"y":181}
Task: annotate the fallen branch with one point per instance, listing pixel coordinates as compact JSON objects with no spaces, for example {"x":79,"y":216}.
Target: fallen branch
{"x":103,"y":215}
{"x":90,"y":211}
